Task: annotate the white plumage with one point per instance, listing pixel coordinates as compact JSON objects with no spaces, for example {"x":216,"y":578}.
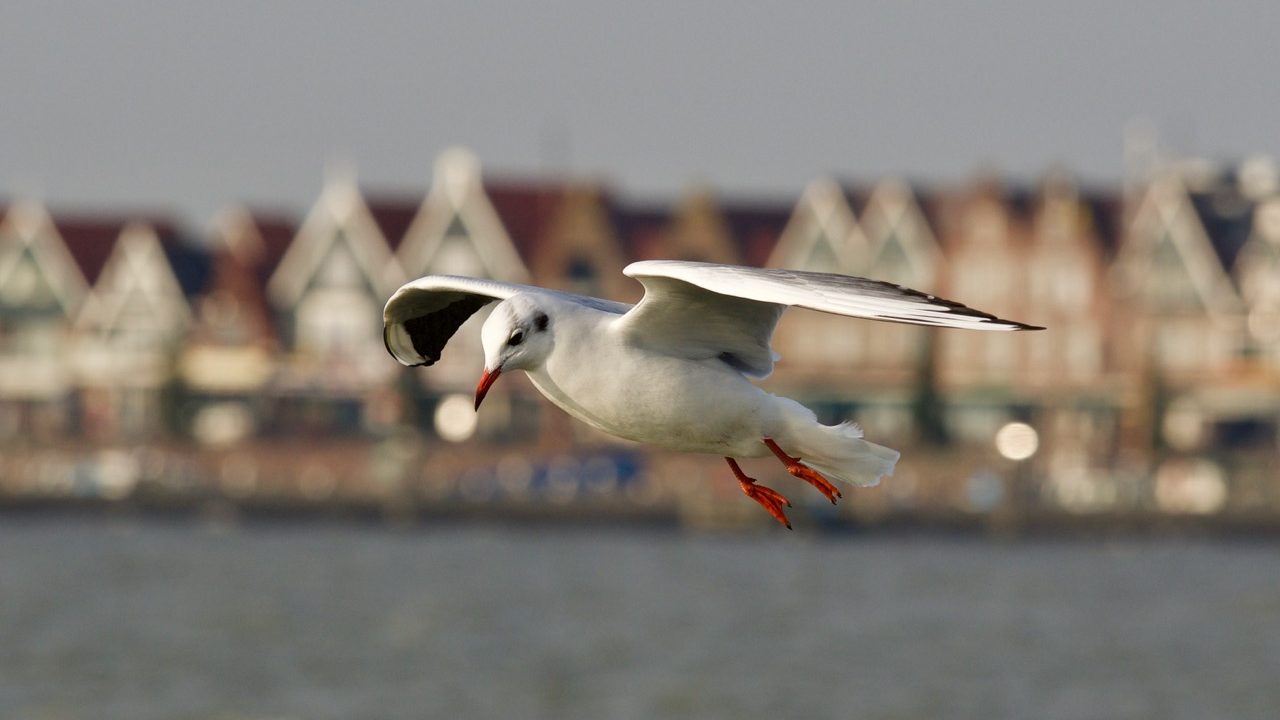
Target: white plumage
{"x":673,"y":370}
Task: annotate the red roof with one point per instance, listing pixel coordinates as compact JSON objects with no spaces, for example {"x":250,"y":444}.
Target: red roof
{"x":525,"y":209}
{"x":277,"y":232}
{"x":393,"y":216}
{"x":755,"y":228}
{"x":640,"y":229}
{"x":90,"y":241}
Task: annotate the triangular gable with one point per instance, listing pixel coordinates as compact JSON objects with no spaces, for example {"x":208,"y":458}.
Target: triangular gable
{"x":986,"y":219}
{"x":580,"y":252}
{"x":822,"y":234}
{"x":1066,"y":258}
{"x":233,"y":307}
{"x":904,"y":249}
{"x":1060,"y":217}
{"x":338,"y":238}
{"x":137,"y":290}
{"x":699,"y":232}
{"x":1168,"y":262}
{"x":457,"y":231}
{"x":236,"y":234}
{"x":37,"y":271}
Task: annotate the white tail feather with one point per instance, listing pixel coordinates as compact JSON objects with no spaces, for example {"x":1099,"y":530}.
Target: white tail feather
{"x":839,"y":452}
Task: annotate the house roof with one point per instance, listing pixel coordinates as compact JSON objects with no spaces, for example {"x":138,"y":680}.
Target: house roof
{"x":393,"y":215}
{"x":276,"y":231}
{"x":756,"y":227}
{"x":525,"y":208}
{"x":245,"y":275}
{"x":1227,"y":216}
{"x":90,"y":241}
{"x":190,"y":262}
{"x":1106,"y":210}
{"x":640,"y":228}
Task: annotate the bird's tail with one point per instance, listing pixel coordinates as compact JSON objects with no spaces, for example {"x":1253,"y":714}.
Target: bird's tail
{"x":839,"y":452}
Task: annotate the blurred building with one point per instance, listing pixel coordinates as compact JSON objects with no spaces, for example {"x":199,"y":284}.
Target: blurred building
{"x":250,"y":359}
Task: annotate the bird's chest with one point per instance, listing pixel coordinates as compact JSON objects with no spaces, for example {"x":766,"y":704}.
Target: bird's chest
{"x":655,"y":399}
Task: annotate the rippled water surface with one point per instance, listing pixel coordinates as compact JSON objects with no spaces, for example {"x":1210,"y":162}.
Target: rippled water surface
{"x":146,"y":619}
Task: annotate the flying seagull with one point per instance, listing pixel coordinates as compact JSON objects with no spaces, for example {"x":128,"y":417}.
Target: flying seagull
{"x":675,"y":369}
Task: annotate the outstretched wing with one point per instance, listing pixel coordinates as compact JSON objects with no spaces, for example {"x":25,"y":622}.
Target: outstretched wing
{"x":423,"y":314}
{"x":703,"y":310}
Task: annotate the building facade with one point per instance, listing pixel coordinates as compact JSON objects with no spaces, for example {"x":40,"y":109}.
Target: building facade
{"x":1156,"y":386}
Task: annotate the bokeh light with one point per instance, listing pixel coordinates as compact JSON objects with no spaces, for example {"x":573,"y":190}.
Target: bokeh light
{"x":1017,"y":441}
{"x":455,"y":418}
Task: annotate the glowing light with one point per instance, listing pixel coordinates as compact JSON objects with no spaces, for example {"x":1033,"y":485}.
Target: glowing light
{"x":1017,"y":441}
{"x":456,"y":418}
{"x":223,"y":423}
{"x":1190,"y":486}
{"x":1080,"y":492}
{"x":119,"y":474}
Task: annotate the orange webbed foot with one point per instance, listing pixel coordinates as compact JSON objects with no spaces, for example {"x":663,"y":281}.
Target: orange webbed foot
{"x":771,"y":500}
{"x":804,"y":472}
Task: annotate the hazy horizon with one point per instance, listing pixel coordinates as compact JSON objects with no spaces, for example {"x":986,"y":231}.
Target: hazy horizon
{"x":190,"y":107}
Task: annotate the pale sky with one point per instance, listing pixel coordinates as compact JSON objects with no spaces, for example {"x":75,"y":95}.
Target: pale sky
{"x":189,"y":107}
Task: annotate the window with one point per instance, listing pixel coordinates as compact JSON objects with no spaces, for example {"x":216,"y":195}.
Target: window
{"x":581,"y":276}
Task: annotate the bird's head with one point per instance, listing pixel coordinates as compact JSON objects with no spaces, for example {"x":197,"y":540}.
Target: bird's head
{"x":517,"y":336}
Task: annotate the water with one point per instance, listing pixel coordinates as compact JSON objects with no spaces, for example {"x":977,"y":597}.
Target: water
{"x":144,"y":619}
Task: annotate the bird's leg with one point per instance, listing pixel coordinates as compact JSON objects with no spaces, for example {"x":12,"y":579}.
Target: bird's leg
{"x":770,"y":499}
{"x":804,"y":472}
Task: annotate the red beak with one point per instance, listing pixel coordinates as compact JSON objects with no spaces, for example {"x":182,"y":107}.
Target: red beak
{"x":486,"y":381}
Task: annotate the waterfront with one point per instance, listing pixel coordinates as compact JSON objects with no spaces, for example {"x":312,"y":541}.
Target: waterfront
{"x":143,"y":618}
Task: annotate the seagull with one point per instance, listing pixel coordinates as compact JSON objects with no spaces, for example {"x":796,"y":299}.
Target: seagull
{"x":675,"y":370}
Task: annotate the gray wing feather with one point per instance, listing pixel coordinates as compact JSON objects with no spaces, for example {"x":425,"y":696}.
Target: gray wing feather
{"x":697,"y":310}
{"x":827,"y":292}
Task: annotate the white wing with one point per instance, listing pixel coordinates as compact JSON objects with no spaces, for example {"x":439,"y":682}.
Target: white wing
{"x":704,"y":310}
{"x":423,"y":314}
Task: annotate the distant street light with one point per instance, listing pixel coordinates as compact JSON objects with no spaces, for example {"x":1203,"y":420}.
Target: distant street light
{"x":1017,"y":441}
{"x":455,"y":418}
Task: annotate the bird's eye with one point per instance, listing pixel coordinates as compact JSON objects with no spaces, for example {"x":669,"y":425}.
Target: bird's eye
{"x":516,"y":338}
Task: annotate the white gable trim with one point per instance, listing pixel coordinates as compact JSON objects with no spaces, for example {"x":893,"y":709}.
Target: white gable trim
{"x":1167,"y":206}
{"x":457,"y":190}
{"x":340,"y":208}
{"x":235,"y":230}
{"x":892,"y":211}
{"x":29,"y":223}
{"x":821,"y":211}
{"x":137,"y":261}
